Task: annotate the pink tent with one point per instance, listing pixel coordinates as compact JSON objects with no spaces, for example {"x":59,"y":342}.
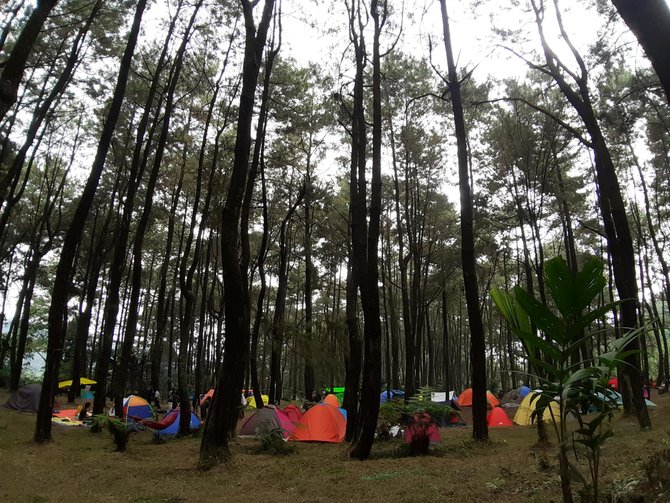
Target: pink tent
{"x":268,"y":418}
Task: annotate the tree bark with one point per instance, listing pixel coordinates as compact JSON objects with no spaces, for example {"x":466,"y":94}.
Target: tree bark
{"x":372,"y":332}
{"x":14,"y":66}
{"x":649,"y":20}
{"x":610,"y":201}
{"x":64,"y":271}
{"x":468,"y":257}
{"x":222,"y":419}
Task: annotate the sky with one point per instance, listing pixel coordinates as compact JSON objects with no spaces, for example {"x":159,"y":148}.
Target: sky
{"x":472,"y":23}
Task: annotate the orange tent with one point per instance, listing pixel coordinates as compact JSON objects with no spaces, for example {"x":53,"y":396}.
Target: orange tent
{"x":498,"y":418}
{"x":332,"y":400}
{"x":209,"y":394}
{"x":465,"y":399}
{"x":321,"y":423}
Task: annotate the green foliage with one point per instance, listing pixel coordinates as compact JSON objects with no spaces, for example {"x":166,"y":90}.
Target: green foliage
{"x":397,"y":412}
{"x":272,"y":441}
{"x":423,"y":394}
{"x":119,"y":430}
{"x":554,"y":353}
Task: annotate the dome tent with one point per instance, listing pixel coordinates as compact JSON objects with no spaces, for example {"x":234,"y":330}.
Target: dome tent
{"x":498,"y":418}
{"x":269,"y":418}
{"x":26,"y":398}
{"x":135,"y":408}
{"x":524,"y":414}
{"x":321,"y":423}
{"x":465,"y":398}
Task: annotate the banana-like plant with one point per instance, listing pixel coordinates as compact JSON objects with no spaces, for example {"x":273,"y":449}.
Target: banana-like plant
{"x":574,"y":385}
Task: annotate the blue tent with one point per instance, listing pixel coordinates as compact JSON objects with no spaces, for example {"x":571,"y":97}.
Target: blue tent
{"x":173,"y":429}
{"x":614,"y":397}
{"x":523,"y":391}
{"x":386,"y":396}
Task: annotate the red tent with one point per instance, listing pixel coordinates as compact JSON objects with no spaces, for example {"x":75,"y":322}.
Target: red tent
{"x":293,"y":412}
{"x":321,"y":423}
{"x":465,"y":399}
{"x":498,"y":418}
{"x":614,"y":383}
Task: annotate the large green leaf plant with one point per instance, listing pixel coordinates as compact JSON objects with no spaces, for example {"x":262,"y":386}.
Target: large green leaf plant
{"x":554,"y":349}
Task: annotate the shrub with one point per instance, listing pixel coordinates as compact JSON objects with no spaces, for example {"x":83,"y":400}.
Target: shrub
{"x":272,"y":441}
{"x":119,"y":430}
{"x":554,"y":349}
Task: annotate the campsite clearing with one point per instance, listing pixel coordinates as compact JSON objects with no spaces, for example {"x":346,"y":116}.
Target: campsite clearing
{"x":82,"y":465}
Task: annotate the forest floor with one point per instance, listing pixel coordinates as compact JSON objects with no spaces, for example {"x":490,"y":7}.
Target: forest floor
{"x":81,"y":466}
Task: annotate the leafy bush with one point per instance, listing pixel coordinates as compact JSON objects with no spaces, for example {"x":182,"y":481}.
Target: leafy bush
{"x":568,"y":383}
{"x":272,"y":441}
{"x":397,"y":412}
{"x":119,"y":430}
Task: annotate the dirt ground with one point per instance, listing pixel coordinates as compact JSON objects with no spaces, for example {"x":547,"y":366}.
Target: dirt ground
{"x":82,"y":466}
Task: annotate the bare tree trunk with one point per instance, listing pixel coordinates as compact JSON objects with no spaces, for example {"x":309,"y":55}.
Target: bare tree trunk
{"x":649,"y":20}
{"x":222,"y":420}
{"x":468,"y":257}
{"x":14,"y":66}
{"x":610,"y":201}
{"x":64,"y":271}
{"x":275,"y":394}
{"x":371,"y":386}
{"x":256,"y":163}
{"x":139,"y":162}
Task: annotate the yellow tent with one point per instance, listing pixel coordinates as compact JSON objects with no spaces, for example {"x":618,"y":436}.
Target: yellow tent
{"x":524,"y":415}
{"x":251,"y":401}
{"x":82,"y":381}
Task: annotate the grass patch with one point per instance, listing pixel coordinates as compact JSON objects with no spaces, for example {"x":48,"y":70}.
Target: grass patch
{"x":83,"y":466}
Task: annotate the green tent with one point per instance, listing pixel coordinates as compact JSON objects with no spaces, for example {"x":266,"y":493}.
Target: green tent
{"x":338,"y":392}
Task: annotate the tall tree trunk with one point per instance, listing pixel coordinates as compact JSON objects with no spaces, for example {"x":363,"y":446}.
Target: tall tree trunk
{"x":649,"y":20}
{"x":222,"y":420}
{"x":404,"y":289}
{"x":448,"y":382}
{"x":468,"y":257}
{"x":275,"y":394}
{"x":372,"y":332}
{"x":88,"y":298}
{"x":14,"y":66}
{"x":138,"y":165}
{"x":610,"y":201}
{"x":256,"y":163}
{"x":260,"y":262}
{"x":64,"y":271}
{"x":309,"y":272}
{"x":354,"y":358}
{"x":163,"y":302}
